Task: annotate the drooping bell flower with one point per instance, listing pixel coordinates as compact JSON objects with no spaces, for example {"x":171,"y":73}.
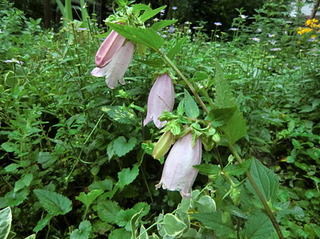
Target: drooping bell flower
{"x":115,"y":70}
{"x":161,"y":98}
{"x":109,"y":48}
{"x":178,"y":173}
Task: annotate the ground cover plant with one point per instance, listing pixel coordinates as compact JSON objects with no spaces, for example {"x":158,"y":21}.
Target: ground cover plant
{"x":165,"y":131}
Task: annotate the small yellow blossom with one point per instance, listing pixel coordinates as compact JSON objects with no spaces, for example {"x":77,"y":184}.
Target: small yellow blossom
{"x":303,"y":30}
{"x":311,"y":22}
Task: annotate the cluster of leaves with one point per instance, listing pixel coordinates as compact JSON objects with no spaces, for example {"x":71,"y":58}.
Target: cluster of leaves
{"x":75,"y":159}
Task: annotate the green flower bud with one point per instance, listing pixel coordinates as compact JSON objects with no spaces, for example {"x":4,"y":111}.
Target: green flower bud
{"x":216,"y":138}
{"x":163,"y":145}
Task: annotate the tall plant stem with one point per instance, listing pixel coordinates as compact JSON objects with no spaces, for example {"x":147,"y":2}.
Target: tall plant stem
{"x":188,"y":83}
{"x":261,"y":197}
{"x":234,"y":152}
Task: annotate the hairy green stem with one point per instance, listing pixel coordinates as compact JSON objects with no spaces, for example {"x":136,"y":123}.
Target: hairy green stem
{"x":234,"y":152}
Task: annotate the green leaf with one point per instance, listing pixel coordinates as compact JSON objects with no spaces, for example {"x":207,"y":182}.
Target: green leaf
{"x":220,"y":115}
{"x":119,"y":234}
{"x":42,"y":223}
{"x":83,"y":232}
{"x":266,"y":180}
{"x":238,"y":169}
{"x":120,"y":114}
{"x":87,"y":199}
{"x":205,"y":204}
{"x":143,"y":233}
{"x":208,"y":169}
{"x":235,"y":128}
{"x":176,"y":48}
{"x":161,"y":24}
{"x":122,"y":147}
{"x":105,"y":185}
{"x":5,"y":222}
{"x":213,"y":221}
{"x":172,"y":225}
{"x":25,"y":181}
{"x":127,"y":176}
{"x":107,"y":211}
{"x":54,"y":203}
{"x":191,"y":107}
{"x":258,"y":226}
{"x":46,"y":159}
{"x":33,"y":236}
{"x":150,"y":13}
{"x":147,"y":37}
{"x":10,"y":147}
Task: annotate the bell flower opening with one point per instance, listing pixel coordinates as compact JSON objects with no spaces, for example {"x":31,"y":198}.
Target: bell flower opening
{"x":115,"y":70}
{"x":160,"y":99}
{"x":178,"y":172}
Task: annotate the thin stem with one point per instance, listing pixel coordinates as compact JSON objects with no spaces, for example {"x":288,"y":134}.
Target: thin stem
{"x":261,"y":197}
{"x":234,"y":152}
{"x":188,"y":83}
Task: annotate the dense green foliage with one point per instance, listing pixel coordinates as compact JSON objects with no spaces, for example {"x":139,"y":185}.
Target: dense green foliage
{"x":76,"y":161}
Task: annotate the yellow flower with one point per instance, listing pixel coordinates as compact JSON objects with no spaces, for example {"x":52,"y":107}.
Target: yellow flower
{"x":311,"y":22}
{"x":303,"y":30}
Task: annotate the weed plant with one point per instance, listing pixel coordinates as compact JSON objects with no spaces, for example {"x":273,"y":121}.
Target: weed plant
{"x":76,"y":160}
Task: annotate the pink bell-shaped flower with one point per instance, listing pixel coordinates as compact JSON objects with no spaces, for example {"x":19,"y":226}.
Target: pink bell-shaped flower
{"x":109,"y":48}
{"x":115,"y":70}
{"x":161,"y":98}
{"x":178,"y":173}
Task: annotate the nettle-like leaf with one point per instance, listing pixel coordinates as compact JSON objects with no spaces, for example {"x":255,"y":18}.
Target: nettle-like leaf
{"x":121,"y":146}
{"x":213,"y":221}
{"x":127,"y":176}
{"x":87,"y":199}
{"x":107,"y":211}
{"x":147,"y":37}
{"x":5,"y":222}
{"x":83,"y":232}
{"x":266,"y":180}
{"x":54,"y":203}
{"x":190,"y":106}
{"x":258,"y":226}
{"x":234,"y":128}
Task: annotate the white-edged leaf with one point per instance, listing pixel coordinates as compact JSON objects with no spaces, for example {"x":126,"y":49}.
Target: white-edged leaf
{"x":5,"y":222}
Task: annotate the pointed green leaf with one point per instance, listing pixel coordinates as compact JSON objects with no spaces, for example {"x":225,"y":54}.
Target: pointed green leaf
{"x":162,"y":24}
{"x":258,"y":226}
{"x":147,"y":37}
{"x":266,"y":180}
{"x":208,"y":169}
{"x":150,"y":13}
{"x":176,"y":48}
{"x":191,"y":107}
{"x":121,"y":146}
{"x":87,"y":199}
{"x":127,"y":176}
{"x":213,"y":221}
{"x":5,"y":222}
{"x":33,"y":236}
{"x":42,"y":223}
{"x":54,"y":203}
{"x":107,"y":211}
{"x":238,"y":169}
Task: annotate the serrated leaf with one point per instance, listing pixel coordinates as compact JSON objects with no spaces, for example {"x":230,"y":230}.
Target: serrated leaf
{"x":120,"y":114}
{"x":5,"y":222}
{"x":107,"y":211}
{"x":208,"y":169}
{"x":83,"y":232}
{"x":54,"y":203}
{"x":238,"y":169}
{"x":127,"y":176}
{"x":162,"y":24}
{"x":87,"y":199}
{"x":258,"y":226}
{"x":214,"y":222}
{"x":42,"y":223}
{"x":172,"y":225}
{"x":147,"y":37}
{"x":191,"y":107}
{"x":266,"y":180}
{"x":122,"y":147}
{"x":220,"y":116}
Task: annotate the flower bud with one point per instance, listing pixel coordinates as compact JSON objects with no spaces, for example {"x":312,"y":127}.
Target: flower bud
{"x":163,"y":145}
